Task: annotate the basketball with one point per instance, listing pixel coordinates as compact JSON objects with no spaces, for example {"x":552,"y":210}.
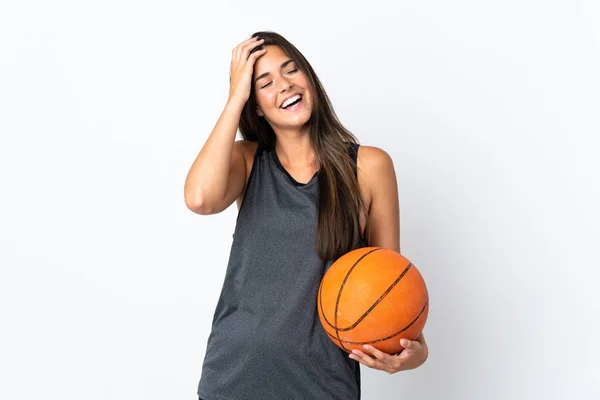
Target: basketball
{"x":372,"y":296}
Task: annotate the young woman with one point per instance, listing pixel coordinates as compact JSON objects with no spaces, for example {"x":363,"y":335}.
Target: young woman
{"x":307,"y":193}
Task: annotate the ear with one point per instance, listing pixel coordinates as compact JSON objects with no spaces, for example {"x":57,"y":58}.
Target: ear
{"x":260,"y":113}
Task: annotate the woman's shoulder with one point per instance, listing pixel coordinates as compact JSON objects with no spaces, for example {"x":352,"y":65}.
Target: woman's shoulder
{"x":373,"y":159}
{"x":246,"y":144}
{"x":376,"y":170}
{"x":247,"y":148}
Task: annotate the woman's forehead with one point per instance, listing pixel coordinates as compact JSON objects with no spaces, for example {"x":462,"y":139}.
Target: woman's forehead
{"x":271,"y":60}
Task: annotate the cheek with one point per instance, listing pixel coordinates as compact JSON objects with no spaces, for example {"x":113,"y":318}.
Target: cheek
{"x":261,"y":100}
{"x":302,"y":82}
{"x":309,"y":101}
{"x":265,"y":99}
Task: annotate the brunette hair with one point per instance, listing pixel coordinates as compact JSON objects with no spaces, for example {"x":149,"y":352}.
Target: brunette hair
{"x":338,"y":227}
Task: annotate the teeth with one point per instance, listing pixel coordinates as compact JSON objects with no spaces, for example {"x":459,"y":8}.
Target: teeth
{"x":290,"y":101}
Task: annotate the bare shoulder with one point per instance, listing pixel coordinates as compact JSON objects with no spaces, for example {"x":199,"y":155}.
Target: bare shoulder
{"x":376,"y":170}
{"x":247,"y":147}
{"x":374,"y":160}
{"x":376,"y":174}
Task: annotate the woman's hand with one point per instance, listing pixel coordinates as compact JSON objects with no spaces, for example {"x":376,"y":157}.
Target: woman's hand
{"x":414,"y":355}
{"x":242,"y":68}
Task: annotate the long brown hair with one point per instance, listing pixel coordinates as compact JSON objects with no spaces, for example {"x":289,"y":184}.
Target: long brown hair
{"x":338,"y":227}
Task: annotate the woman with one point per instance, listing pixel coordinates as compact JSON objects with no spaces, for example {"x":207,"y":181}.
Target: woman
{"x":307,"y":193}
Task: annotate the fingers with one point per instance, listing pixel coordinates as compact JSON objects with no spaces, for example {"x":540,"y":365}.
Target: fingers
{"x":250,"y":61}
{"x":256,"y":54}
{"x":414,"y":356}
{"x":249,"y":48}
{"x":411,"y":350}
{"x":410,"y":345}
{"x":241,"y":51}
{"x":367,"y":360}
{"x":242,"y":67}
{"x":236,"y":50}
{"x":380,"y":355}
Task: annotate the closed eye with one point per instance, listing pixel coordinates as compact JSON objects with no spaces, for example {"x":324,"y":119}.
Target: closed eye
{"x":292,"y":71}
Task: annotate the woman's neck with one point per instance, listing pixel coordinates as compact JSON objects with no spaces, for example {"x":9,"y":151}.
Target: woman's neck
{"x":295,"y":149}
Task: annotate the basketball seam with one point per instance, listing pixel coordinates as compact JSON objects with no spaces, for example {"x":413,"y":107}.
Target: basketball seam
{"x":370,"y":308}
{"x":337,"y":330}
{"x":337,"y":302}
{"x":382,"y":339}
{"x":374,"y":304}
{"x":378,"y":300}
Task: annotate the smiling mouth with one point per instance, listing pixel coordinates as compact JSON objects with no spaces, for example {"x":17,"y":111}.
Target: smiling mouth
{"x":293,"y":105}
{"x":296,"y":105}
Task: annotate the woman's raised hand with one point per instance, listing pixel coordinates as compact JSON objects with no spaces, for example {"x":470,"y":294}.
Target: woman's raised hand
{"x":242,"y":67}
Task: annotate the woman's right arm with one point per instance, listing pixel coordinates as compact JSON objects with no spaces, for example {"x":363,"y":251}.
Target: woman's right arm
{"x":217,"y":176}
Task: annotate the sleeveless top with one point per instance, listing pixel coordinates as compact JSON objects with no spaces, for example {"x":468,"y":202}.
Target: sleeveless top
{"x":266,"y":341}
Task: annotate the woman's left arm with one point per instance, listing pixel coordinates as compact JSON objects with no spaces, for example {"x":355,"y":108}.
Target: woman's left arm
{"x":376,"y":171}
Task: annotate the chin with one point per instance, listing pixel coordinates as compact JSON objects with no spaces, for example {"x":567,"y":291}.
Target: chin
{"x":296,"y":122}
{"x":297,"y":118}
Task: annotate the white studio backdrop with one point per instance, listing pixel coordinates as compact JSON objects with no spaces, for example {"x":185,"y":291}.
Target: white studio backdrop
{"x":490,"y":111}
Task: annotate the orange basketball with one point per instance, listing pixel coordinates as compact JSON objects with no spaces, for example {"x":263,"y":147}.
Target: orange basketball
{"x":372,"y":296}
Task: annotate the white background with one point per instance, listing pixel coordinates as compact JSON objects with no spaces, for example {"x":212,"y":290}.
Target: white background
{"x":490,"y":110}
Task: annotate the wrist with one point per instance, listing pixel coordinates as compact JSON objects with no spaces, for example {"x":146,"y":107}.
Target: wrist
{"x":235,"y":103}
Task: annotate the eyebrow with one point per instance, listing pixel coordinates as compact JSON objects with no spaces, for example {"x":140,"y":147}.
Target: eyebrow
{"x":268,"y":73}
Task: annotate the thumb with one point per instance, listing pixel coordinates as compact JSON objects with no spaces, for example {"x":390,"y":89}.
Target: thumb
{"x":407,"y":344}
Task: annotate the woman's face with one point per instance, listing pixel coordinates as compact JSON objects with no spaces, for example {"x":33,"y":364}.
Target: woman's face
{"x":281,"y":90}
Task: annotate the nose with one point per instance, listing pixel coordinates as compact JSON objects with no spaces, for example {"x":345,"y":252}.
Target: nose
{"x":284,"y":84}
